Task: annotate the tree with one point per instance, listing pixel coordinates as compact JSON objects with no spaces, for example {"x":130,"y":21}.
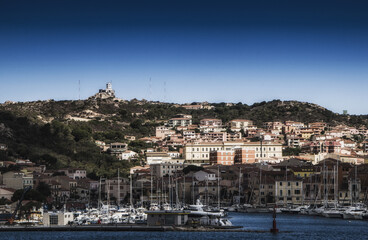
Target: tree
{"x":191,"y":168}
{"x":30,"y":195}
{"x":44,"y":189}
{"x":291,"y":151}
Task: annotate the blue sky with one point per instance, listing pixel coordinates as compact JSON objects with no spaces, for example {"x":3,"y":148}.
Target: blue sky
{"x":231,"y":51}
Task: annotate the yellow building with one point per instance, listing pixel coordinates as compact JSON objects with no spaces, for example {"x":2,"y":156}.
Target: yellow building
{"x":303,"y":171}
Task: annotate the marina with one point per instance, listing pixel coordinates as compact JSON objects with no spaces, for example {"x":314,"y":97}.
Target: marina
{"x":254,"y":225}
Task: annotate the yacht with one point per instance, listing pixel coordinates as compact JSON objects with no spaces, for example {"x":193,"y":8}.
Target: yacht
{"x":333,"y":212}
{"x":217,"y":218}
{"x":356,"y":212}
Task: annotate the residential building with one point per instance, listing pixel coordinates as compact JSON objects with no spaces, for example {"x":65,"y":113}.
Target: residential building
{"x":74,"y":173}
{"x":199,"y":153}
{"x":365,"y":146}
{"x":180,"y":121}
{"x":240,"y":124}
{"x":113,"y":187}
{"x":117,"y":148}
{"x":128,"y":155}
{"x":289,"y":192}
{"x":223,"y":157}
{"x":164,"y":131}
{"x":17,"y":180}
{"x":211,"y":122}
{"x":244,"y":155}
{"x":156,"y":157}
{"x":130,"y":138}
{"x":6,"y":193}
{"x":325,"y":147}
{"x":163,"y":169}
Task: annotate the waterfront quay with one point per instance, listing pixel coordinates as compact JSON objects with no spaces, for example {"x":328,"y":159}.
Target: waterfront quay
{"x":254,"y":225}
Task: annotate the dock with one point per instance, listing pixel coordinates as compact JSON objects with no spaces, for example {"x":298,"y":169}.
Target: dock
{"x":120,"y":228}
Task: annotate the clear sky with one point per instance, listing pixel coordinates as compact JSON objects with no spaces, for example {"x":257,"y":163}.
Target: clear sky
{"x":231,"y":51}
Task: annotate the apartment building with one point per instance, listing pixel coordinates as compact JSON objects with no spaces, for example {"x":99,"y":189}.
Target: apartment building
{"x":288,"y":192}
{"x":239,"y":124}
{"x":223,"y":157}
{"x":180,"y":120}
{"x":157,"y":157}
{"x":163,"y":132}
{"x":163,"y":169}
{"x":244,"y":155}
{"x":17,"y":180}
{"x":211,"y":122}
{"x":199,"y":153}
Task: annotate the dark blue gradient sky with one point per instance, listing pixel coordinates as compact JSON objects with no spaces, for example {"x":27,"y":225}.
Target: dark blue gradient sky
{"x":231,"y":51}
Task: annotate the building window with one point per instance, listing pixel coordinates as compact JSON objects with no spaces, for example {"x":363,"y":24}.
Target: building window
{"x":280,"y":183}
{"x":54,"y":220}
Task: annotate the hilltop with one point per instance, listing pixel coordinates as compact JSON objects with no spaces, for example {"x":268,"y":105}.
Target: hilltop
{"x":123,"y":112}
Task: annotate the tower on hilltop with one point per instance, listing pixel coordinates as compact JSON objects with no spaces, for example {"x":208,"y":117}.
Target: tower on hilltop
{"x":105,"y":93}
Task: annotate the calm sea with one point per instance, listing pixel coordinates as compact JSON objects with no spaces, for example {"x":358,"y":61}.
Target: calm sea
{"x":300,"y":227}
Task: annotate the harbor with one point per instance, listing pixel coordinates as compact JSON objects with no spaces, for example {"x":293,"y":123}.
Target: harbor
{"x":254,"y":225}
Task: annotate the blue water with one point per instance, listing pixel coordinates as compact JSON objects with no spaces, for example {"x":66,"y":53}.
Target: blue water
{"x":300,"y":227}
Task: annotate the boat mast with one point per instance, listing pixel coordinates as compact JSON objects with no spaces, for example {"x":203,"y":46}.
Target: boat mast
{"x":99,"y":196}
{"x":334,"y":181}
{"x":337,"y":181}
{"x":324,"y":182}
{"x":239,"y":184}
{"x":356,"y":185}
{"x":151,"y":190}
{"x":193,"y":188}
{"x":131,"y":190}
{"x":118,"y":187}
{"x":176,"y":192}
{"x":218,"y":187}
{"x":169,"y":192}
{"x":206,"y":202}
{"x":183,"y":190}
{"x":108,"y":197}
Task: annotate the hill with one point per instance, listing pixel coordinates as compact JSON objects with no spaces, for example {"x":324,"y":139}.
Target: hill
{"x":62,"y":133}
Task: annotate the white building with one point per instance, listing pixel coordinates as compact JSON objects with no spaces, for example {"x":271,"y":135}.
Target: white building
{"x":127,"y":155}
{"x":174,"y":122}
{"x":157,"y":157}
{"x":199,"y":153}
{"x":163,"y":132}
{"x":57,"y":218}
{"x":239,"y":124}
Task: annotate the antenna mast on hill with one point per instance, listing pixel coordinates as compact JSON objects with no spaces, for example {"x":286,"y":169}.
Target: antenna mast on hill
{"x":79,"y":89}
{"x":150,"y":90}
{"x":165,"y":91}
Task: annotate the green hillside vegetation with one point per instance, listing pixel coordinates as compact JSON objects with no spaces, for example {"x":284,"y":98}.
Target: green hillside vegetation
{"x":57,"y":145}
{"x":42,"y":132}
